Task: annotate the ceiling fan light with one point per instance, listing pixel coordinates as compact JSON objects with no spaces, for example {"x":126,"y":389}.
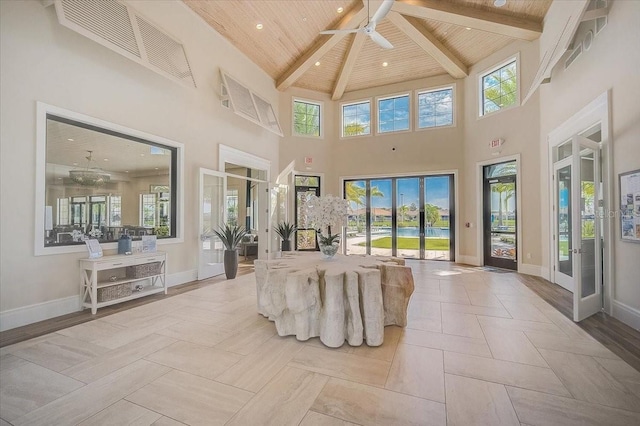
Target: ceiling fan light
{"x":499,"y":3}
{"x":340,"y":9}
{"x":259,"y":26}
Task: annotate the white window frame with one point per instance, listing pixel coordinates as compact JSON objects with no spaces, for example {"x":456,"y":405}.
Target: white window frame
{"x":393,"y":96}
{"x":42,"y":109}
{"x":141,"y":205}
{"x":480,"y":88}
{"x":371,"y":116}
{"x":320,"y":104}
{"x":454,"y":106}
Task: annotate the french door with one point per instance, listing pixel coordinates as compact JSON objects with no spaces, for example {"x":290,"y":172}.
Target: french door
{"x":577,"y":229}
{"x":499,"y":212}
{"x":305,"y":187}
{"x":212,"y":213}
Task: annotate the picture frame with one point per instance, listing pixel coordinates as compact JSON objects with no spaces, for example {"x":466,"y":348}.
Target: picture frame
{"x":94,"y":248}
{"x":629,"y":185}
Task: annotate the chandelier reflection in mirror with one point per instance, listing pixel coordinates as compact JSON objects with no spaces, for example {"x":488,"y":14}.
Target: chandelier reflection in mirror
{"x":89,"y":176}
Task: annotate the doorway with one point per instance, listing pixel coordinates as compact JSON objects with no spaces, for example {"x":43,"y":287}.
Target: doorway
{"x":411,"y":217}
{"x":305,"y":187}
{"x":500,"y":215}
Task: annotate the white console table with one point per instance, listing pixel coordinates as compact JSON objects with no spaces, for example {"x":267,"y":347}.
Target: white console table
{"x":97,"y":273}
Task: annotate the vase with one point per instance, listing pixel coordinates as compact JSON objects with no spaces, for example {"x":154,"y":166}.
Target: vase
{"x":286,"y":245}
{"x":329,"y":250}
{"x":230,"y":263}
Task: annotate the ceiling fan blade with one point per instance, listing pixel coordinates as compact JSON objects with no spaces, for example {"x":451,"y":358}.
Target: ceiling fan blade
{"x":340,"y":31}
{"x":382,"y":11}
{"x":378,"y":38}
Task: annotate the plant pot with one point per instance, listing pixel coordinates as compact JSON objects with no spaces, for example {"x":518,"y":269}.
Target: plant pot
{"x":286,"y":245}
{"x":230,"y":263}
{"x":329,"y":250}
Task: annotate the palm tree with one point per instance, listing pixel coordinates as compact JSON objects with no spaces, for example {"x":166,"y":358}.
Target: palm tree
{"x":306,"y":119}
{"x":354,"y":129}
{"x":503,"y":93}
{"x":432,"y":214}
{"x":357,"y":194}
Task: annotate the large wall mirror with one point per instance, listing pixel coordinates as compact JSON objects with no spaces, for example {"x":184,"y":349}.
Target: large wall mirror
{"x":101,"y":183}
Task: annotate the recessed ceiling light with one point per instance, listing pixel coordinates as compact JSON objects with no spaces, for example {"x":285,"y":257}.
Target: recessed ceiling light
{"x":384,"y":64}
{"x":340,"y":9}
{"x":304,"y":19}
{"x":75,"y":164}
{"x":126,"y":171}
{"x":156,"y":168}
{"x":59,"y":178}
{"x":259,"y":26}
{"x":70,"y":140}
{"x":106,"y":159}
{"x":499,"y":3}
{"x":468,"y":28}
{"x":141,"y":155}
{"x":318,"y":64}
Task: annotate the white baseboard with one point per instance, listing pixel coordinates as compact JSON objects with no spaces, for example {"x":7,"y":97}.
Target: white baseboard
{"x":626,"y":314}
{"x":25,"y":315}
{"x":528,"y":269}
{"x":18,"y":317}
{"x":468,"y":260}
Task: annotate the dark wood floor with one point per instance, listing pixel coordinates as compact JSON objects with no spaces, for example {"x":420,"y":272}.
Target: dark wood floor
{"x":621,"y":339}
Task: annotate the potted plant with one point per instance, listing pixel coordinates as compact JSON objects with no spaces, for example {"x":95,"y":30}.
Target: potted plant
{"x":231,"y":236}
{"x":325,"y":212}
{"x":285,"y":230}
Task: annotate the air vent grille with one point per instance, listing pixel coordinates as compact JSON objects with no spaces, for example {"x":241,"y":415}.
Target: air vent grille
{"x":267,"y":116}
{"x":241,"y":99}
{"x":122,"y":29}
{"x":164,"y":52}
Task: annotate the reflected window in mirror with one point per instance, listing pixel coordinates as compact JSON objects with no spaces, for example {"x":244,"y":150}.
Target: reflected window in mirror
{"x":102,"y":184}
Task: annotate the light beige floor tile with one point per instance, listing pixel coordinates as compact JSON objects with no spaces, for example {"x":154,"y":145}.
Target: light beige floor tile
{"x":425,"y":324}
{"x":257,"y":369}
{"x":622,"y":372}
{"x":316,"y":419}
{"x":362,"y":404}
{"x":92,"y":331}
{"x":424,"y":315}
{"x":191,"y":399}
{"x":427,"y":286}
{"x":461,"y":325}
{"x":453,"y":289}
{"x":245,"y":319}
{"x":27,"y":386}
{"x":201,"y":334}
{"x":201,"y":316}
{"x":247,"y":340}
{"x":542,"y":409}
{"x":567,"y":326}
{"x":94,"y":397}
{"x":476,"y":310}
{"x":166,"y":421}
{"x":483,"y":298}
{"x":190,"y":299}
{"x":566,"y":344}
{"x":512,"y":345}
{"x":100,"y":366}
{"x":446,"y":342}
{"x":525,"y":312}
{"x":346,"y":366}
{"x":144,"y":327}
{"x":513,"y":324}
{"x":122,"y":413}
{"x":447,"y":298}
{"x":9,"y":361}
{"x":283,"y":401}
{"x":507,"y":373}
{"x":476,"y":402}
{"x":589,"y":381}
{"x":5,"y":350}
{"x":60,"y":352}
{"x":3,"y":423}
{"x":385,"y":351}
{"x":195,"y":359}
{"x":316,"y":343}
{"x":417,"y":371}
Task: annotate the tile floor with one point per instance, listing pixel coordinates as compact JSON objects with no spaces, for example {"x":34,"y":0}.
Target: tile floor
{"x":480,"y":348}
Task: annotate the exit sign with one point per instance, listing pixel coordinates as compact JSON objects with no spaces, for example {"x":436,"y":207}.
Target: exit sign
{"x":496,"y":143}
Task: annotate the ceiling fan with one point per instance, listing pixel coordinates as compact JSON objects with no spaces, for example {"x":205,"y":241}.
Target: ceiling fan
{"x":370,"y":28}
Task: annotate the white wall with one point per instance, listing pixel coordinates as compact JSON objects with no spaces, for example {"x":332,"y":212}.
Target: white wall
{"x":42,"y":61}
{"x":612,"y":63}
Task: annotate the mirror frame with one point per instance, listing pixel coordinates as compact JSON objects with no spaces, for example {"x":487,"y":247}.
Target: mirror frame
{"x":43,"y":110}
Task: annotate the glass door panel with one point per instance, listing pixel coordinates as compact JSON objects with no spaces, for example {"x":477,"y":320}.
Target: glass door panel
{"x":564,"y":234}
{"x":500,"y":238}
{"x":379,"y":217}
{"x":437,"y":217}
{"x":212,"y":215}
{"x":305,"y":187}
{"x":356,"y":232}
{"x":407,"y":224}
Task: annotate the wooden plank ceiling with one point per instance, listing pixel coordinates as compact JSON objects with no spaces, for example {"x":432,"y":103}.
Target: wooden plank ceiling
{"x":430,"y":37}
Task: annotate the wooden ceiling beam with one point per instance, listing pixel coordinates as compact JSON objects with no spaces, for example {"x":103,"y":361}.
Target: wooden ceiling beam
{"x":324,"y":43}
{"x":348,"y":64}
{"x":465,"y":16}
{"x":414,"y":29}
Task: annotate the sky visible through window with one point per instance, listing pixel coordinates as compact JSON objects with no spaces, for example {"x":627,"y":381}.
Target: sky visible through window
{"x":435,"y":108}
{"x":436,"y":191}
{"x":393,"y":114}
{"x":499,"y":89}
{"x":356,"y":119}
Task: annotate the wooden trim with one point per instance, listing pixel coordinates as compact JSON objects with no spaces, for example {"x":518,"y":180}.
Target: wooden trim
{"x":460,"y":14}
{"x":416,"y":31}
{"x":348,"y":64}
{"x":324,"y":44}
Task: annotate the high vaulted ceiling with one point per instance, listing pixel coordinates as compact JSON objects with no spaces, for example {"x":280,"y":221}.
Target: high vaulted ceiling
{"x":430,"y":37}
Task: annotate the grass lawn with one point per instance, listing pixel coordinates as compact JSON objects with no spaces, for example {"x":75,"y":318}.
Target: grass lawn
{"x":411,"y":243}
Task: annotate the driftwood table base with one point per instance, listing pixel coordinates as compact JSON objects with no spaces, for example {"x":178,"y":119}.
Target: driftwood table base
{"x":346,"y":298}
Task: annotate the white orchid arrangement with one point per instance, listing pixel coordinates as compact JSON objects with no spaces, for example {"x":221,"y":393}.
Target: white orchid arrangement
{"x":325,"y":212}
{"x":95,"y":233}
{"x":77,"y":235}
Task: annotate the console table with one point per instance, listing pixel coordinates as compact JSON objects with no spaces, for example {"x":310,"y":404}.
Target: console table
{"x":348,"y":298}
{"x":125,"y":277}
